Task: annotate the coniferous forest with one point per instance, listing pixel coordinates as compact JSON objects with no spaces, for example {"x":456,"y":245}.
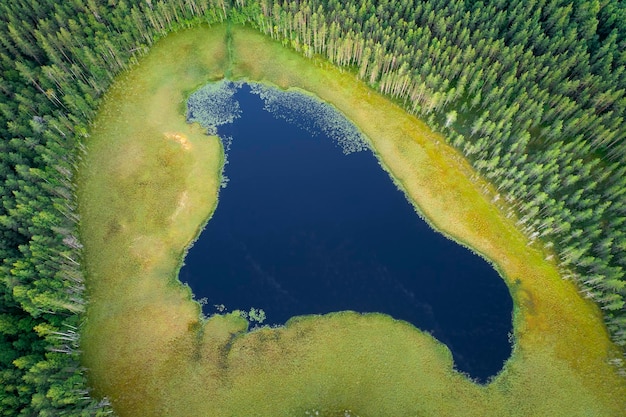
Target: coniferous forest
{"x":532,"y":93}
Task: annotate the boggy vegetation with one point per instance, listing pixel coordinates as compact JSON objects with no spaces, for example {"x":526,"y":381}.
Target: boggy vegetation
{"x":532,"y":93}
{"x":148,"y":182}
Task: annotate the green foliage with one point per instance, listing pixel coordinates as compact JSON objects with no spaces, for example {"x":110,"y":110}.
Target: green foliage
{"x":56,"y":60}
{"x":533,"y":93}
{"x":256,"y":315}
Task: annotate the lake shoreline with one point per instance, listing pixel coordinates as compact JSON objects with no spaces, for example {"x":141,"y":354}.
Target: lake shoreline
{"x":553,"y":325}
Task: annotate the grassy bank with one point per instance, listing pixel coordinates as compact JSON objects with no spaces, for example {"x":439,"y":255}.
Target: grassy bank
{"x":150,"y":181}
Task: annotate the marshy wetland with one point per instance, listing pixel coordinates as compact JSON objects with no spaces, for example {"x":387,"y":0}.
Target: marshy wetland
{"x":150,"y":182}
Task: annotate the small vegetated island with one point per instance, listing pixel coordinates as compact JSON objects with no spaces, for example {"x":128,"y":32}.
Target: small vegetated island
{"x":103,"y":193}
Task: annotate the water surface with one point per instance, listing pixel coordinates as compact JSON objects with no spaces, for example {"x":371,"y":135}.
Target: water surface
{"x":309,"y":223}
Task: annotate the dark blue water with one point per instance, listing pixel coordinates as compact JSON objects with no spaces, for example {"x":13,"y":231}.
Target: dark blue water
{"x":302,"y":228}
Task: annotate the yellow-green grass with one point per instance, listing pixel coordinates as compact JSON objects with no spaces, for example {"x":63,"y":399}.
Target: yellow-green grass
{"x":149,"y":183}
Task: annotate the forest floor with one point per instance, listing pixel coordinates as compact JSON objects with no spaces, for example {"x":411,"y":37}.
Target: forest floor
{"x":151,"y":352}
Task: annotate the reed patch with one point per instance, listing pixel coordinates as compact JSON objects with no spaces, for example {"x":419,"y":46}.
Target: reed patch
{"x":149,"y":349}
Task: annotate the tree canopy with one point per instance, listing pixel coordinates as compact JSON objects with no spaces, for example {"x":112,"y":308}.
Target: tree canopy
{"x":532,"y":93}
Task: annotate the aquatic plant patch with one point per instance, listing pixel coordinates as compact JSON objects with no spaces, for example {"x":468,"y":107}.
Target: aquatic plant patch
{"x":149,"y":184}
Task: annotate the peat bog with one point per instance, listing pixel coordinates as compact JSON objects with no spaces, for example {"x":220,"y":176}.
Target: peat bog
{"x":309,"y":223}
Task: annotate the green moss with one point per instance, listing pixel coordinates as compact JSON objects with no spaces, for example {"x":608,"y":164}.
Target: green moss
{"x":148,"y":185}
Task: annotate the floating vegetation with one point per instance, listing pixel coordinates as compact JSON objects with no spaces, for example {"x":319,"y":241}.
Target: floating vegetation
{"x":214,"y":105}
{"x":227,"y":142}
{"x":254,"y":315}
{"x":313,"y":115}
{"x":143,"y":340}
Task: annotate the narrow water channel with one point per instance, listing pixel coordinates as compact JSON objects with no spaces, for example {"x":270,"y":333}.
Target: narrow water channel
{"x":309,"y":223}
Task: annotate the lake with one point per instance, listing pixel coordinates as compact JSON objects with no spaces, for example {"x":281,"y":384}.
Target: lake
{"x":309,"y":223}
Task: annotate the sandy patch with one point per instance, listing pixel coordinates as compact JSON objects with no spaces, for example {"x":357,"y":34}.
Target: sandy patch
{"x":182,"y":203}
{"x":180,"y":138}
